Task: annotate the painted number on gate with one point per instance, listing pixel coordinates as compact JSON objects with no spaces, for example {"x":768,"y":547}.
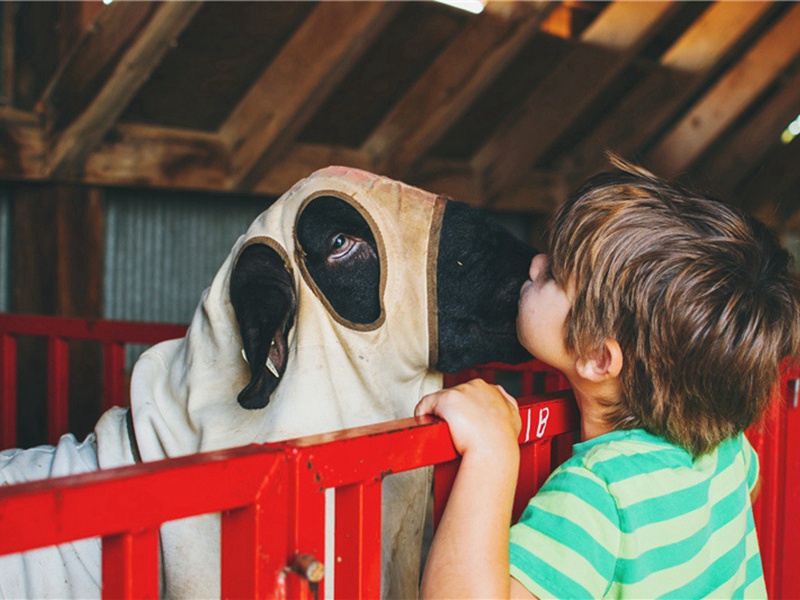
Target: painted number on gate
{"x":541,"y":425}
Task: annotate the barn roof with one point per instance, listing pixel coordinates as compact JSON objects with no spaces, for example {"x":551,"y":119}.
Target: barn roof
{"x":506,"y":109}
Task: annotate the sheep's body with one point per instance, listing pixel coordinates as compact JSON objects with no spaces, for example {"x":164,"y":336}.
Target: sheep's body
{"x":333,"y":372}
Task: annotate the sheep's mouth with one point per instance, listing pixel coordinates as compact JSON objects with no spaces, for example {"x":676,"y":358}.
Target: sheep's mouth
{"x":265,"y":379}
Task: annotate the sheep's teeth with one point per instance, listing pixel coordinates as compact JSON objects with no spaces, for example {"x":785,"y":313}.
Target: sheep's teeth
{"x":272,"y":368}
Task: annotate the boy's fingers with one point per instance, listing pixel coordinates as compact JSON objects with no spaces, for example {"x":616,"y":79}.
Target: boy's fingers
{"x":508,"y":396}
{"x":425,"y":406}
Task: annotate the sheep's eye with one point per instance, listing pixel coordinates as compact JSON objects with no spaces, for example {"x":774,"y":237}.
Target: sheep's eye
{"x":342,"y":244}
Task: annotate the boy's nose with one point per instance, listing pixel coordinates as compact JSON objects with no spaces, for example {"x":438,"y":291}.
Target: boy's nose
{"x":538,"y":263}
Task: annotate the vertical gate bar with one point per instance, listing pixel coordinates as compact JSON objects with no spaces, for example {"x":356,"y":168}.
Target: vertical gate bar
{"x":444,"y":475}
{"x":527,"y":378}
{"x":775,"y":475}
{"x":525,"y":481}
{"x":254,"y":550}
{"x":114,"y":375}
{"x":358,"y":541}
{"x":8,"y":391}
{"x":130,"y":565}
{"x":57,"y":388}
{"x":306,"y":521}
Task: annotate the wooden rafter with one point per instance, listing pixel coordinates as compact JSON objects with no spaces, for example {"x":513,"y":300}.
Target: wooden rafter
{"x":724,"y":171}
{"x":159,"y":157}
{"x":311,"y":64}
{"x":771,"y":194}
{"x":540,"y":191}
{"x":608,"y":46}
{"x":731,"y":95}
{"x":655,"y":100}
{"x":114,"y":29}
{"x":87,"y":130}
{"x":463,"y":71}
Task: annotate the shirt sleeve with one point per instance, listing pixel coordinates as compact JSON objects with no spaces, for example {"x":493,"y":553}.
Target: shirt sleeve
{"x":751,"y":463}
{"x":566,"y":543}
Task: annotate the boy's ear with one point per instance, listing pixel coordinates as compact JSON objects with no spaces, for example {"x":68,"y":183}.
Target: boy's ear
{"x":605,"y":364}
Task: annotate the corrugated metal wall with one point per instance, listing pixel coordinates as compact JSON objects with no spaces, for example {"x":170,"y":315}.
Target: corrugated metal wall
{"x":163,"y":249}
{"x":5,"y":249}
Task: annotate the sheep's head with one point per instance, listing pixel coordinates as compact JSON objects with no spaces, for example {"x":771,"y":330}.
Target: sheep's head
{"x":479,"y":270}
{"x":340,"y":256}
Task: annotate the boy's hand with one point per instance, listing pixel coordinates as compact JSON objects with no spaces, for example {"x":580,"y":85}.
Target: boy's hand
{"x":483,"y":418}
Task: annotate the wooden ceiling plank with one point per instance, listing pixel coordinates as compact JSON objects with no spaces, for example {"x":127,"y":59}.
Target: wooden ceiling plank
{"x":22,"y":145}
{"x":725,"y":170}
{"x":607,"y":46}
{"x":771,"y":192}
{"x":542,"y":191}
{"x":460,"y":74}
{"x":311,"y":64}
{"x":728,"y":98}
{"x":651,"y":103}
{"x":138,"y":62}
{"x":100,"y":44}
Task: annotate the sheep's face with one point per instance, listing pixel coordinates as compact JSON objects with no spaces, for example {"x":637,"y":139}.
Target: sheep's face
{"x":479,"y":270}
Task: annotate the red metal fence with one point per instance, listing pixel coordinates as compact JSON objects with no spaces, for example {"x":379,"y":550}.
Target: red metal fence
{"x":273,"y":508}
{"x":273,"y":504}
{"x":113,"y":335}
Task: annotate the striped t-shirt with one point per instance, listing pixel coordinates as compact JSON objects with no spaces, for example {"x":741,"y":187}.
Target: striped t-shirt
{"x":631,"y":515}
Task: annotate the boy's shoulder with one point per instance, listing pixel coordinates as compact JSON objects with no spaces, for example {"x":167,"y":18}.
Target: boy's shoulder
{"x":620,"y":456}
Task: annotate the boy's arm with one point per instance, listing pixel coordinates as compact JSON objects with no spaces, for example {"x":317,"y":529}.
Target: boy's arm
{"x":469,"y":554}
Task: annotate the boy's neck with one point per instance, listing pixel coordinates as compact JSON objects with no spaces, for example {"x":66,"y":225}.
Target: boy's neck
{"x":593,"y":401}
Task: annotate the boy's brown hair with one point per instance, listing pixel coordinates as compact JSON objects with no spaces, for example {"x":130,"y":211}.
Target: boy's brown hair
{"x":697,"y":294}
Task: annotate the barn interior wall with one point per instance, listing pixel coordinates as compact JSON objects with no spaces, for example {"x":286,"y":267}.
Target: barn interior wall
{"x":162,"y":249}
{"x":5,"y":248}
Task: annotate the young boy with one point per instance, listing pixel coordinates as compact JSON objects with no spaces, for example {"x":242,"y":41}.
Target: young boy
{"x":669,"y":313}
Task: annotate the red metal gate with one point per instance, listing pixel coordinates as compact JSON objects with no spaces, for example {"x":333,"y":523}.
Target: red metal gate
{"x":273,"y":507}
{"x":273,"y":515}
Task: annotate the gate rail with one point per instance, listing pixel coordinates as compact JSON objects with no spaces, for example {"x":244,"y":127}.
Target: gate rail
{"x":272,"y":506}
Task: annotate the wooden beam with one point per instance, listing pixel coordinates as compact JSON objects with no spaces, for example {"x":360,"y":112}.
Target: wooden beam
{"x":607,"y":46}
{"x":307,"y":70}
{"x":8,"y":50}
{"x":22,"y":147}
{"x":300,"y":160}
{"x":655,"y":100}
{"x":138,"y":62}
{"x":726,"y":100}
{"x":736,"y":156}
{"x":57,"y":269}
{"x":159,"y":157}
{"x":461,"y":73}
{"x":771,"y":192}
{"x":539,"y":191}
{"x":78,"y":77}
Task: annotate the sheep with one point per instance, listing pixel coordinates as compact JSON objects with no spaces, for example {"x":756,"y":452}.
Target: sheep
{"x":340,"y":306}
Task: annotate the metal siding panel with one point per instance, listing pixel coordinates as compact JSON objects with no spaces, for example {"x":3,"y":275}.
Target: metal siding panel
{"x":163,"y":249}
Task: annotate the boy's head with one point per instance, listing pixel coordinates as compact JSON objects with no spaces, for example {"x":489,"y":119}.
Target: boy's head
{"x":697,"y":295}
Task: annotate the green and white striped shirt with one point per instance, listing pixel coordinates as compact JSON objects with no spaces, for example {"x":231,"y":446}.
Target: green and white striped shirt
{"x":630,"y":515}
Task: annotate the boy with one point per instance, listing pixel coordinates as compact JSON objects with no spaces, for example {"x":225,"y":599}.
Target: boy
{"x":669,"y":313}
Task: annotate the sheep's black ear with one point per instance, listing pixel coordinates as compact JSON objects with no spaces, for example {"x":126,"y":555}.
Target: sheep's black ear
{"x":263,"y":298}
